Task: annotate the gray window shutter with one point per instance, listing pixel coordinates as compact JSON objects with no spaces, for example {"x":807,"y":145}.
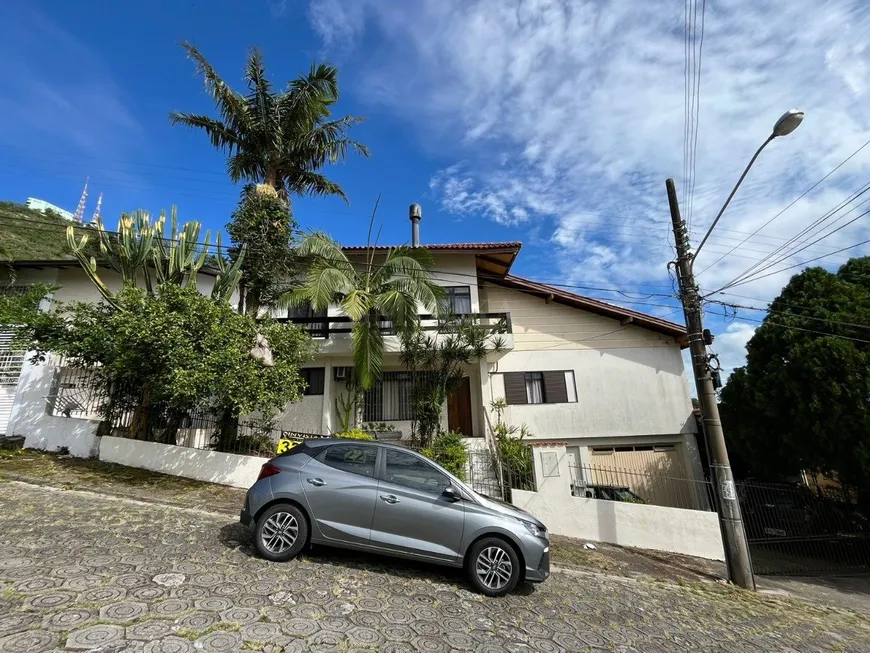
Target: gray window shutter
{"x":555,"y":390}
{"x":515,"y":388}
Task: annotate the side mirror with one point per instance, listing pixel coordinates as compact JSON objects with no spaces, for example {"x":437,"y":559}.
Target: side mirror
{"x":451,"y":494}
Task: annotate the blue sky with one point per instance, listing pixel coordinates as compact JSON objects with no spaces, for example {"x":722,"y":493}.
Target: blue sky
{"x":554,"y":122}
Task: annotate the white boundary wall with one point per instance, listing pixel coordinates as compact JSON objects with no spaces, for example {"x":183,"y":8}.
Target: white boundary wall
{"x":688,"y":532}
{"x":209,"y":466}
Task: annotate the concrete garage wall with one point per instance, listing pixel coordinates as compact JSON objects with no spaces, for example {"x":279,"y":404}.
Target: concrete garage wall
{"x":210,"y":466}
{"x":689,"y":532}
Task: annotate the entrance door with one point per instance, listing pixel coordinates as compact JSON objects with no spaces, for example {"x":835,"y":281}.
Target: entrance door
{"x":459,"y":409}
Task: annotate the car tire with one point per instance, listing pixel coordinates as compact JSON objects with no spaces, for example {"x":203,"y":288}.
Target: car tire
{"x":493,"y":567}
{"x":281,"y":532}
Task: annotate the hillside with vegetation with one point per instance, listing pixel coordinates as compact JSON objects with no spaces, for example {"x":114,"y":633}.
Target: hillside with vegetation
{"x":26,"y":234}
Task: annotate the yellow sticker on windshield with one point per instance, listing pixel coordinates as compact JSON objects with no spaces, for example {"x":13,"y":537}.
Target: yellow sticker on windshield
{"x":286,"y":445}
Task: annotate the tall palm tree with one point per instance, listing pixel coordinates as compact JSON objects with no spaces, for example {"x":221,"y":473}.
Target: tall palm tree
{"x":369,"y":294}
{"x":279,"y":138}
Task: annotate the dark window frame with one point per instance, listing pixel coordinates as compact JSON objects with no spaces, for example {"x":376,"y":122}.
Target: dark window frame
{"x":313,"y":389}
{"x":452,"y":293}
{"x":554,"y":387}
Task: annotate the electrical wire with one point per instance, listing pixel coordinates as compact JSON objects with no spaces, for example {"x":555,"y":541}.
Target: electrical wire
{"x":697,"y":107}
{"x":816,"y":225}
{"x":787,"y":313}
{"x":763,"y":276}
{"x":791,"y":204}
{"x":789,"y":326}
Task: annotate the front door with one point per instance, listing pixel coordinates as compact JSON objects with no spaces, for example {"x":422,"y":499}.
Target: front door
{"x":341,"y":486}
{"x":412,"y":515}
{"x":459,"y":409}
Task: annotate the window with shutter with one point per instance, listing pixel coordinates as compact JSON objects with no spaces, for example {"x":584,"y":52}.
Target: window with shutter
{"x":555,"y":390}
{"x":515,"y":388}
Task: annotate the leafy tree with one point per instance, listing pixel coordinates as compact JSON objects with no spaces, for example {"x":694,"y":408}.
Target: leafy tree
{"x":438,"y":361}
{"x":279,"y":138}
{"x":18,"y":308}
{"x":174,"y":350}
{"x":802,"y":402}
{"x":371,"y":294}
{"x":263,"y":229}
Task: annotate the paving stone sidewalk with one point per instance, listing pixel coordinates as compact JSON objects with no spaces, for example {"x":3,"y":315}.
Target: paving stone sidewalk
{"x":83,"y":572}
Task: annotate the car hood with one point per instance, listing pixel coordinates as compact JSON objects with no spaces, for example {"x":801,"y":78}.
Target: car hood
{"x":508,"y":509}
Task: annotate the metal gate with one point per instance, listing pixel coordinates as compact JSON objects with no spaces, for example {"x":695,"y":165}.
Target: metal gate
{"x":795,"y":530}
{"x":11,"y":361}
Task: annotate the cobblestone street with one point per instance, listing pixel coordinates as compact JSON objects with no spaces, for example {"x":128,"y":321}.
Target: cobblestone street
{"x":79,"y":571}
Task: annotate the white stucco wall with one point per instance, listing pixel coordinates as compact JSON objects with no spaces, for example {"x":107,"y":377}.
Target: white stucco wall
{"x":688,"y":532}
{"x":620,"y":392}
{"x":210,"y":466}
{"x":41,"y":430}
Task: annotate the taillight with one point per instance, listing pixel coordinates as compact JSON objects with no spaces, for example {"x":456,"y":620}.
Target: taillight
{"x":268,"y":470}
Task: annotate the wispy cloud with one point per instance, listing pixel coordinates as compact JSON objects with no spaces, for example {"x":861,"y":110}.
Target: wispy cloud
{"x":58,"y":88}
{"x":570,"y":114}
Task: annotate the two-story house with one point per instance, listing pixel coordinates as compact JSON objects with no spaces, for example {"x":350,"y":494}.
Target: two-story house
{"x":606,"y":380}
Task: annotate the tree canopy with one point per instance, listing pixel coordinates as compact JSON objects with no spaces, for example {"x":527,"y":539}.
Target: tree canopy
{"x":802,"y":401}
{"x":279,"y":138}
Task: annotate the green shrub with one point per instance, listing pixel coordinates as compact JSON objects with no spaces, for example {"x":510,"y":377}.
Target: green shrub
{"x":449,"y":451}
{"x":354,"y":434}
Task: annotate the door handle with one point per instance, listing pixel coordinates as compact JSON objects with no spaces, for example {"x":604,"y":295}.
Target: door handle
{"x":389,"y":498}
{"x":315,"y":481}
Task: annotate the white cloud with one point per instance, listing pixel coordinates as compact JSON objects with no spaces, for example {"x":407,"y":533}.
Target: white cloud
{"x":570,"y":114}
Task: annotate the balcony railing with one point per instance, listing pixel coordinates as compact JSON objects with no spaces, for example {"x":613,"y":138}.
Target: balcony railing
{"x":324,"y":327}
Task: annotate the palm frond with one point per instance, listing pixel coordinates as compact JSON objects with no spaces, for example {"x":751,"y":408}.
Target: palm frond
{"x":221,"y":136}
{"x":318,"y":245}
{"x":322,"y":283}
{"x":229,"y":103}
{"x":305,"y":182}
{"x":356,"y":303}
{"x":411,"y":262}
{"x":367,"y":342}
{"x":431,"y":296}
{"x":400,"y":307}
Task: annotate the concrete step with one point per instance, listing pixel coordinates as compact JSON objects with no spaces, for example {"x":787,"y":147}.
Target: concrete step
{"x":11,"y":442}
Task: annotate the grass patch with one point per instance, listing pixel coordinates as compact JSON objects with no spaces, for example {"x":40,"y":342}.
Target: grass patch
{"x":253,"y":645}
{"x":190,"y":633}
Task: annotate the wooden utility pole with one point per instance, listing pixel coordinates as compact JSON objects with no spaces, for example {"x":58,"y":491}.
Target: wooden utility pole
{"x":733,"y":534}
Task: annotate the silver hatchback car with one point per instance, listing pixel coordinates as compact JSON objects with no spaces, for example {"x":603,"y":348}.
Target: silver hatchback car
{"x":390,"y":500}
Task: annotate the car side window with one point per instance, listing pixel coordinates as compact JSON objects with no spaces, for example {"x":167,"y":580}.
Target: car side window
{"x":353,"y":458}
{"x":407,"y":470}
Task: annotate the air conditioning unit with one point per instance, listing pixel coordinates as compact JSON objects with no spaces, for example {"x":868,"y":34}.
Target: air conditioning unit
{"x":342,"y":373}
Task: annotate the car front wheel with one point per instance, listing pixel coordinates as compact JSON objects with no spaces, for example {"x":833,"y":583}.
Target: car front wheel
{"x":493,"y":567}
{"x":281,"y":533}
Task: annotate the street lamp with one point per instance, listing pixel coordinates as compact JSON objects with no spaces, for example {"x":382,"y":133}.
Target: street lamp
{"x":787,"y":123}
{"x":733,"y":535}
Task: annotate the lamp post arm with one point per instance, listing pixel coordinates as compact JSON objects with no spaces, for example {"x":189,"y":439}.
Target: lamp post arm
{"x":728,"y":201}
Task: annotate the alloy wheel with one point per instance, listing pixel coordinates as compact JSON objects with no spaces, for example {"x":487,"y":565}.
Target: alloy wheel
{"x":494,"y":567}
{"x":279,"y":532}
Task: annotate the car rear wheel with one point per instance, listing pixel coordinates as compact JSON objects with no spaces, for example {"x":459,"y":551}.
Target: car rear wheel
{"x":281,"y":532}
{"x":493,"y":567}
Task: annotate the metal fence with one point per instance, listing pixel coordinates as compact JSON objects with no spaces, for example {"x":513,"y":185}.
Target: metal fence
{"x":793,"y":529}
{"x":633,"y":486}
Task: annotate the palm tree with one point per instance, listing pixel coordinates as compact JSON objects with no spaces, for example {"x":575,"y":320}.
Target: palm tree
{"x":279,"y":138}
{"x":369,"y":294}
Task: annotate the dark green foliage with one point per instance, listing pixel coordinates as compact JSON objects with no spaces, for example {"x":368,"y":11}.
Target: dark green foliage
{"x":176,"y":350}
{"x":449,"y":451}
{"x":19,"y":308}
{"x":802,"y":402}
{"x":439,"y":360}
{"x":264,"y":225}
{"x":26,"y":234}
{"x":513,"y":454}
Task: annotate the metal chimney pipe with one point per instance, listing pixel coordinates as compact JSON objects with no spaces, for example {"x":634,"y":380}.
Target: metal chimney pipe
{"x":415,"y":212}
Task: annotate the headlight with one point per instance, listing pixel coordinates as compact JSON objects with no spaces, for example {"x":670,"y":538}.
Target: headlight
{"x":533,"y":528}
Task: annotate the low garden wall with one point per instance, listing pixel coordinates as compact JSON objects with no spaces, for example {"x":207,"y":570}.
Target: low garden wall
{"x":210,"y":466}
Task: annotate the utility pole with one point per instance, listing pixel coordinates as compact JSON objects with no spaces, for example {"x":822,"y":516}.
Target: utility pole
{"x":733,"y":535}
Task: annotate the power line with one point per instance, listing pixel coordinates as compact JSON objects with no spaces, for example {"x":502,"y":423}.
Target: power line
{"x":763,"y":276}
{"x":787,"y":313}
{"x":760,"y":266}
{"x":697,"y":107}
{"x":791,"y":204}
{"x":789,"y":326}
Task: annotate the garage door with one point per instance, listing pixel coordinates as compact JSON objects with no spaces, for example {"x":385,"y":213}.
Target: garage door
{"x":10,"y":369}
{"x":655,"y":472}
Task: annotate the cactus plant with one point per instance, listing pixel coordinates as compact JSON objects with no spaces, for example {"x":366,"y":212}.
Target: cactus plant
{"x":140,"y":250}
